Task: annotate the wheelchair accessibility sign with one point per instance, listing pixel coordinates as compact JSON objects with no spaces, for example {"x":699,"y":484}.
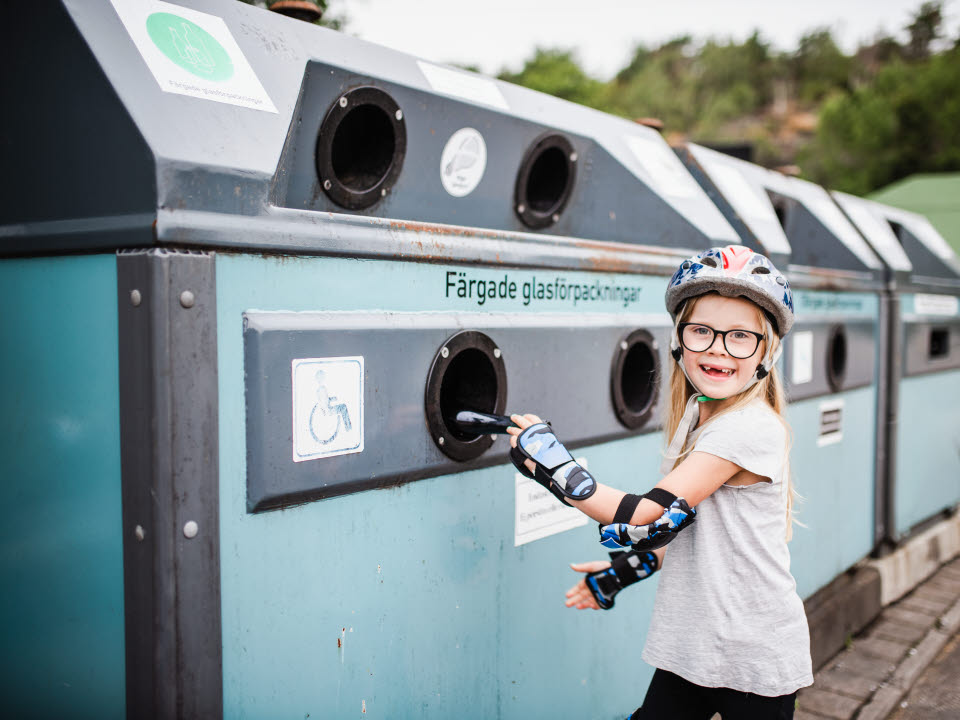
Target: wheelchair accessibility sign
{"x":327,"y":407}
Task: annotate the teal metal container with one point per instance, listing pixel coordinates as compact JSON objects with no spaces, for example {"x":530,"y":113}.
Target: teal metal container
{"x":923,"y":279}
{"x":208,"y":220}
{"x":60,"y":535}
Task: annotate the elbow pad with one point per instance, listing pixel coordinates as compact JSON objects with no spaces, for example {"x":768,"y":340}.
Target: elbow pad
{"x":661,"y":531}
{"x":555,"y":468}
{"x":626,"y":569}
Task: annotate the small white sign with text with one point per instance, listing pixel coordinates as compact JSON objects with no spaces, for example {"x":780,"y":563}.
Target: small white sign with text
{"x":539,"y":514}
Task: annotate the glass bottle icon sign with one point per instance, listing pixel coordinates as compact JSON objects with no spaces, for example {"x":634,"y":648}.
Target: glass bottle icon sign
{"x":190,"y":46}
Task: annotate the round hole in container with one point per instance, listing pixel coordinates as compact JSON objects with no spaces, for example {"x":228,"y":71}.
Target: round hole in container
{"x":361,"y":147}
{"x":467,"y":373}
{"x":836,"y":357}
{"x":545,"y":180}
{"x":634,"y":379}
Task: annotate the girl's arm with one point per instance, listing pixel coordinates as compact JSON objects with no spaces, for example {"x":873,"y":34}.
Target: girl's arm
{"x":697,"y":477}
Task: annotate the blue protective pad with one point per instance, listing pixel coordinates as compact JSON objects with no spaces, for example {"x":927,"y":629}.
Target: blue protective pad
{"x":652,"y":536}
{"x":626,"y":569}
{"x":555,"y":469}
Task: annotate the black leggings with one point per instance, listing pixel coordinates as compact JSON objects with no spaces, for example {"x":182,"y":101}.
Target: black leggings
{"x":670,"y":697}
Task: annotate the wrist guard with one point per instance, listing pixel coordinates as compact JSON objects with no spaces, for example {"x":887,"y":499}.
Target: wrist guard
{"x":555,"y":468}
{"x":652,"y":536}
{"x":625,"y":569}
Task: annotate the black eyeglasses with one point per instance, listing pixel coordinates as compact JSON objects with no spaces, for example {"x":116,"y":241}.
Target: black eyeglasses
{"x":740,"y":344}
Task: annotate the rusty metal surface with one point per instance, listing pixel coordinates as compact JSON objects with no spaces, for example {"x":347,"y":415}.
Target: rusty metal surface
{"x":286,"y":231}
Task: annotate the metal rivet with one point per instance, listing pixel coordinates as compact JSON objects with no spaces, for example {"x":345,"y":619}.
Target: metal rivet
{"x":138,"y":533}
{"x":496,"y":352}
{"x":135,"y":298}
{"x":573,"y":157}
{"x":444,"y":352}
{"x":191,"y":529}
{"x":556,"y":217}
{"x":383,"y":192}
{"x":440,"y":440}
{"x":623,"y":344}
{"x":521,"y":209}
{"x":780,"y":280}
{"x":343,"y":102}
{"x":399,"y":114}
{"x":494,"y":437}
{"x":187,"y":299}
{"x":327,"y":184}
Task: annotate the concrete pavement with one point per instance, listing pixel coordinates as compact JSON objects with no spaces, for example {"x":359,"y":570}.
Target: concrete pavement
{"x":881,"y":665}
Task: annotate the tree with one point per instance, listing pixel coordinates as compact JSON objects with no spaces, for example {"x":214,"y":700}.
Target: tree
{"x":557,"y":72}
{"x":906,"y":121}
{"x":819,"y":67}
{"x":924,"y":29}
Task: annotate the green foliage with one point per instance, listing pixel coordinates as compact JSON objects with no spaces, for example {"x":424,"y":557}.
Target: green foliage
{"x":888,"y":111}
{"x":556,"y":72}
{"x":906,"y":121}
{"x":818,"y":66}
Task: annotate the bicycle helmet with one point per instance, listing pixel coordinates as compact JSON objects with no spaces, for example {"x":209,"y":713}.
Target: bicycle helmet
{"x":733,"y":271}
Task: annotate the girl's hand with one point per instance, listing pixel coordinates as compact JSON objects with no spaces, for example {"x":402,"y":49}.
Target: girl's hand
{"x":522,"y":422}
{"x":579,"y":596}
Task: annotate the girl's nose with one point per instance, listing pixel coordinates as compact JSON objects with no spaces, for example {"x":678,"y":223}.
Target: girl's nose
{"x":721,"y":348}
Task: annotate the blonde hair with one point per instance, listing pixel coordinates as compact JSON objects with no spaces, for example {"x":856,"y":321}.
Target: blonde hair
{"x":769,"y":389}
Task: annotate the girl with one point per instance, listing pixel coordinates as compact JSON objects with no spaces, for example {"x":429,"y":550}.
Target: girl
{"x":728,"y":632}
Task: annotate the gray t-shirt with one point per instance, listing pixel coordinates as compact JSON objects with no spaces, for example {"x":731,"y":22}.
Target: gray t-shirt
{"x":727,"y":613}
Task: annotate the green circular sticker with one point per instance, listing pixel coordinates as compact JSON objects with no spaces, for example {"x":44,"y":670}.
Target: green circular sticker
{"x":190,"y":46}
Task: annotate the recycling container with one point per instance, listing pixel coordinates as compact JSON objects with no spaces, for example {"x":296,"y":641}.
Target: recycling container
{"x":253,"y":268}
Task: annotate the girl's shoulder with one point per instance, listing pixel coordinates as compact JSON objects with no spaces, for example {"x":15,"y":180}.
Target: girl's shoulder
{"x":756,"y":420}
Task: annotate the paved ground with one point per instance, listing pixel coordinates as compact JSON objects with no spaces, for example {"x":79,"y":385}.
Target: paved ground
{"x":936,"y":695}
{"x":904,"y":666}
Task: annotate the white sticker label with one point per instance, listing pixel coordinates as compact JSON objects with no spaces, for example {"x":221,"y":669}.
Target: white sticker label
{"x":935,"y":304}
{"x":539,"y":514}
{"x":192,"y":53}
{"x":327,"y":407}
{"x":666,"y":173}
{"x":463,"y":85}
{"x":801,"y":358}
{"x":463,"y":162}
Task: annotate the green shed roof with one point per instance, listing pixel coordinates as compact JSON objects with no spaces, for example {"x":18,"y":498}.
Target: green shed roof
{"x":935,"y":196}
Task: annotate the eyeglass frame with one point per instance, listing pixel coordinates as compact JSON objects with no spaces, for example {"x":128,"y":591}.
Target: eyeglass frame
{"x":723,"y":335}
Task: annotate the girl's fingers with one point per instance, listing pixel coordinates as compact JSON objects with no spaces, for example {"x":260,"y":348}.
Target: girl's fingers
{"x":589,"y":567}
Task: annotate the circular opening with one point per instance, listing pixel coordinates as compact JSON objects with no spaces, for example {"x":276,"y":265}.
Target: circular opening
{"x":836,"y":358}
{"x":634,"y":379}
{"x":360,"y":148}
{"x":467,"y":373}
{"x":637,"y":378}
{"x":469,"y":383}
{"x":363,"y":148}
{"x":545,"y":181}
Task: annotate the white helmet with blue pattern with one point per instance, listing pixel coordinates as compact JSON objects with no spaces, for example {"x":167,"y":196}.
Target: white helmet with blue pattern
{"x":733,"y":271}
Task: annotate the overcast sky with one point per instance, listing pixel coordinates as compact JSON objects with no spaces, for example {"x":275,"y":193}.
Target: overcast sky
{"x":497,"y":34}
